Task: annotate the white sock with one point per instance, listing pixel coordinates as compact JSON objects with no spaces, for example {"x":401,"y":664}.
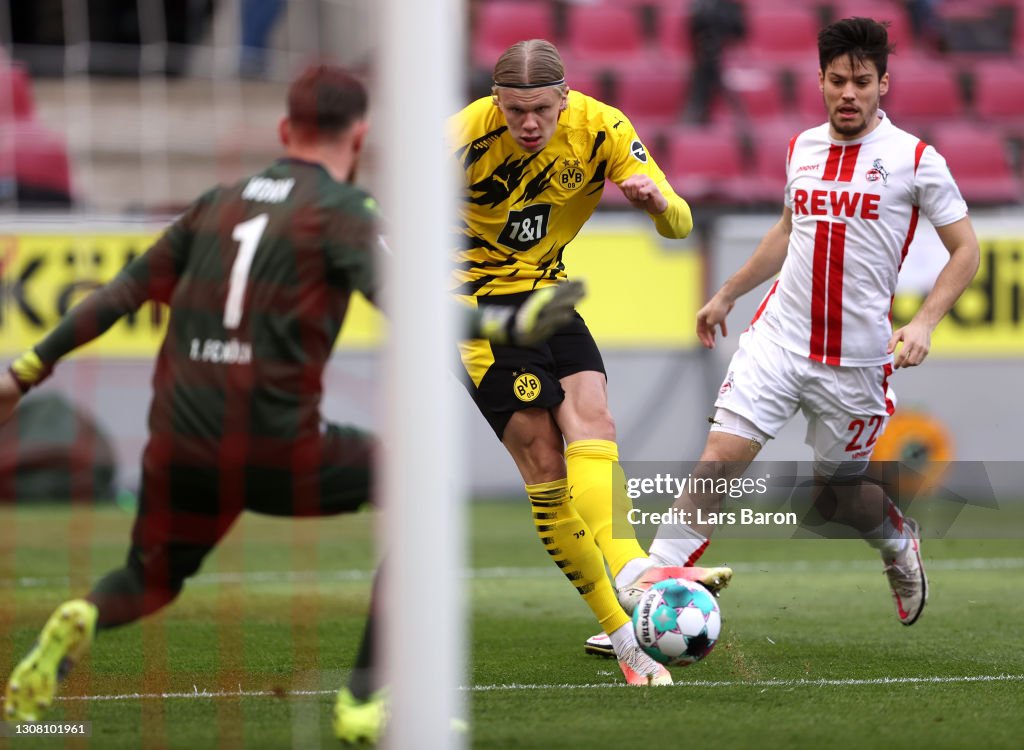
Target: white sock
{"x":631,"y":571}
{"x":677,"y":544}
{"x":887,"y":539}
{"x":623,"y":639}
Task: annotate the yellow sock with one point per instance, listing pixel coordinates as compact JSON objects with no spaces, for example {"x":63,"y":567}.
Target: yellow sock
{"x":597,"y":488}
{"x":571,"y":545}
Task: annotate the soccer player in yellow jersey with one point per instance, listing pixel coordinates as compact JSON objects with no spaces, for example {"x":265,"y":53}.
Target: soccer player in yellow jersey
{"x":536,"y":156}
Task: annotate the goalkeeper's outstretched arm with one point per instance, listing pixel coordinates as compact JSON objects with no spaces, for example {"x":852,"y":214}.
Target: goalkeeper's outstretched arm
{"x":151,"y":276}
{"x":532,"y":321}
{"x":85,"y":322}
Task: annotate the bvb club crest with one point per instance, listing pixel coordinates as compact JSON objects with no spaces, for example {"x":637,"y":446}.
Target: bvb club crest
{"x":526,"y":387}
{"x":571,"y":176}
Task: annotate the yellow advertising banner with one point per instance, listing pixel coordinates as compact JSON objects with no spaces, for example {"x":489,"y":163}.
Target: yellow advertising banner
{"x":642,"y":294}
{"x":44,"y":275}
{"x":988,"y":319}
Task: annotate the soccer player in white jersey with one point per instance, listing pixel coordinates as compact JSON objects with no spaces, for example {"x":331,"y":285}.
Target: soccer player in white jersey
{"x":821,"y":341}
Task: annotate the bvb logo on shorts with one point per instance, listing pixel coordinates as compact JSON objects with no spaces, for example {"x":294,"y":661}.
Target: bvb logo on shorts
{"x":526,"y":387}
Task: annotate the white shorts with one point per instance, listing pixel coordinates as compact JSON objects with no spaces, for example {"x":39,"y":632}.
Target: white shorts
{"x":847,"y":408}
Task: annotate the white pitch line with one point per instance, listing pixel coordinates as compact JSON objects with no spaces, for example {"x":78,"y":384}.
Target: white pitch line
{"x":850,"y":682}
{"x":196,"y":693}
{"x":270,"y":577}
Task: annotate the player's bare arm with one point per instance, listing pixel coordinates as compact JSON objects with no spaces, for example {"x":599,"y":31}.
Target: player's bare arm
{"x":765,"y":262}
{"x":964,"y":257}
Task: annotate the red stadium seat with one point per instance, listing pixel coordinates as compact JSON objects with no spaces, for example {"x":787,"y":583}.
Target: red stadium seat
{"x":707,"y":164}
{"x":604,"y":33}
{"x":674,"y":32}
{"x":979,"y":160}
{"x":771,"y":144}
{"x":758,"y":91}
{"x":651,"y":96}
{"x":998,"y":86}
{"x":502,"y":23}
{"x":16,"y":102}
{"x":810,"y":104}
{"x":919,"y":95}
{"x":779,"y":36}
{"x":39,"y":157}
{"x":586,"y":82}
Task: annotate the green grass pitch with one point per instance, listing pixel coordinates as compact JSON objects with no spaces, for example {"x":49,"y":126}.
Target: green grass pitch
{"x":811,"y":655}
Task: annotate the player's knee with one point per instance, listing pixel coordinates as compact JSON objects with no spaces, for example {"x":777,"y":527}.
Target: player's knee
{"x":592,"y":422}
{"x":540,"y":460}
{"x":832,"y":492}
{"x":706,"y":474}
{"x":601,"y":425}
{"x":538,"y":457}
{"x":841,"y":473}
{"x":534,"y":442}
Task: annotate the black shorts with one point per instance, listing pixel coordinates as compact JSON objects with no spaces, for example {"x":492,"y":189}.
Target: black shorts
{"x":505,"y":379}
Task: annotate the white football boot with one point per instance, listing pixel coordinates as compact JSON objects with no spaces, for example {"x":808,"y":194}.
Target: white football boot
{"x":640,"y":669}
{"x":599,"y":645}
{"x":713,"y":579}
{"x":907,"y":578}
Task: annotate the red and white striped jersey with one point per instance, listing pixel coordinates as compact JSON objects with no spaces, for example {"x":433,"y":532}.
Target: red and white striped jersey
{"x":855,"y":208}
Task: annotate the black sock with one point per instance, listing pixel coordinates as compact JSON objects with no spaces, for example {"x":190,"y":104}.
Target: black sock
{"x":363,"y":681}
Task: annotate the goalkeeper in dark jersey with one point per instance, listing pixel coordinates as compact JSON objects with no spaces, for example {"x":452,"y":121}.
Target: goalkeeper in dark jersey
{"x":258,"y":277}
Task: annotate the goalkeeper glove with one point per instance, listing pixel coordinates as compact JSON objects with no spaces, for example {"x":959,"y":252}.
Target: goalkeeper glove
{"x":28,"y":370}
{"x":534,"y":320}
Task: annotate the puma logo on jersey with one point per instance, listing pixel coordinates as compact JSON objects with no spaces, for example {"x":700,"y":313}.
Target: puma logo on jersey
{"x":836,"y":203}
{"x":267,"y":190}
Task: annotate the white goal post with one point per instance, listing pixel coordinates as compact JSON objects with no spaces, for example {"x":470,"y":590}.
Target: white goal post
{"x":422,"y":533}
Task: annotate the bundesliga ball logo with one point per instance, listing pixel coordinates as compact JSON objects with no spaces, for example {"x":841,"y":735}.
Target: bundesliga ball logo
{"x":677,"y":622}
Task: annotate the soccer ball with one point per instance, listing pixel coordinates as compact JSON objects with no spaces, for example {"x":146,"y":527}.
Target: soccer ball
{"x":677,"y":622}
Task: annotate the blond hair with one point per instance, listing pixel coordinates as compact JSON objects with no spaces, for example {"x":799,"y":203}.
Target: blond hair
{"x":531,"y":63}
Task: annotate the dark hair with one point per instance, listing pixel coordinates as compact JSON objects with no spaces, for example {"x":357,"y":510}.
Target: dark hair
{"x":325,"y":100}
{"x":860,"y":38}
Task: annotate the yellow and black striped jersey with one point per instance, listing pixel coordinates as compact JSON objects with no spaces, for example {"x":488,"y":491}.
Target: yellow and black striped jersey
{"x":520,"y":210}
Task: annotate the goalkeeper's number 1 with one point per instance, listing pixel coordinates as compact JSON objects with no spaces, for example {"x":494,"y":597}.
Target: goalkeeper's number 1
{"x":248,"y":235}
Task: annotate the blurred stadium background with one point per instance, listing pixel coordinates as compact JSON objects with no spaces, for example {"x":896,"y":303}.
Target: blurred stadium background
{"x":115,"y":113}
